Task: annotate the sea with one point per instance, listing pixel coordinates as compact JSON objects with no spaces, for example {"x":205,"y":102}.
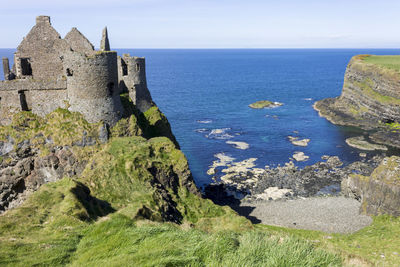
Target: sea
{"x":205,"y":94}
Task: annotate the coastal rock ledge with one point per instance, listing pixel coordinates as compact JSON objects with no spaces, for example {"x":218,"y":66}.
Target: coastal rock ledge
{"x":379,"y":193}
{"x":370,"y":98}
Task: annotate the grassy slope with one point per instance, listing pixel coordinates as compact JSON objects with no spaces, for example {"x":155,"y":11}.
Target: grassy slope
{"x":102,"y":216}
{"x":66,"y":224}
{"x":169,"y":245}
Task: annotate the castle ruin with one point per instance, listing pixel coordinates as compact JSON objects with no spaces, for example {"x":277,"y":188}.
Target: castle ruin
{"x":50,"y":72}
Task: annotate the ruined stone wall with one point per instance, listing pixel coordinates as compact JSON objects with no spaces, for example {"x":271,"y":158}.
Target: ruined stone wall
{"x":9,"y":105}
{"x":92,"y":84}
{"x":122,"y":71}
{"x":26,"y":84}
{"x":41,"y":97}
{"x":132,"y":77}
{"x":46,"y":101}
{"x":78,"y":42}
{"x":41,"y":52}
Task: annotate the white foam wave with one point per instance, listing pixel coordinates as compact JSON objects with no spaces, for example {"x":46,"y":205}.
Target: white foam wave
{"x":219,"y":134}
{"x":204,"y":121}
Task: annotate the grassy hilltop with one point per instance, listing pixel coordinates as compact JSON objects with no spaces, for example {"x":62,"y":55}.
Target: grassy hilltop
{"x":390,"y":62}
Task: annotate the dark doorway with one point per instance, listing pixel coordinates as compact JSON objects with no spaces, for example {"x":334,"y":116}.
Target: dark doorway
{"x":22,"y":100}
{"x":124,"y":68}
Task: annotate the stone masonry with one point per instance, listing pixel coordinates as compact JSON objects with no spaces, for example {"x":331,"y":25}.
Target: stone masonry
{"x":51,"y":72}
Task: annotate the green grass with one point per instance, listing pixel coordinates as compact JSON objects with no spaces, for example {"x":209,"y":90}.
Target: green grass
{"x":61,"y":126}
{"x":374,"y":245}
{"x":47,"y":228}
{"x":119,"y":242}
{"x":378,"y":243}
{"x":390,"y":62}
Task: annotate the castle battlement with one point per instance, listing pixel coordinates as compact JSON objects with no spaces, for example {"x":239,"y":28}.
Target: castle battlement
{"x":51,"y":72}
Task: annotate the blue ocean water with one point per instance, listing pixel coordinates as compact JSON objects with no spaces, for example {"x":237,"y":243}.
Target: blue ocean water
{"x":203,"y":90}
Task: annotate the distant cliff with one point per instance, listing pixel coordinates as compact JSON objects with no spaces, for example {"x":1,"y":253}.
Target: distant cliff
{"x":370,"y":98}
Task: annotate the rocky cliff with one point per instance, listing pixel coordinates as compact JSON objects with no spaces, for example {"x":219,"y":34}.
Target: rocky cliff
{"x":370,"y":98}
{"x":35,"y":151}
{"x":379,"y":192}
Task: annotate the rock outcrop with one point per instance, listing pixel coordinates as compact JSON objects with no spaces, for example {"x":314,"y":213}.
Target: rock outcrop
{"x":25,"y":171}
{"x":370,"y":100}
{"x":379,"y":192}
{"x":35,"y":151}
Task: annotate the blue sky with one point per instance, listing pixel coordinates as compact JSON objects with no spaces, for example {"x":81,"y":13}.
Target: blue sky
{"x":213,"y":23}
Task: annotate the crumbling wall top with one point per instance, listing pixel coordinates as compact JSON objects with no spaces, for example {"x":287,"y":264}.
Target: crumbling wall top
{"x":43,"y":19}
{"x":79,"y":42}
{"x":105,"y":43}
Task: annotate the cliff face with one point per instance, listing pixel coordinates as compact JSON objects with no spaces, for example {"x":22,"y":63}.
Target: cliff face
{"x":370,"y":99}
{"x":379,"y":192}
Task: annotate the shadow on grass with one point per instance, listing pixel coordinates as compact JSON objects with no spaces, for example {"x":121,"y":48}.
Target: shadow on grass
{"x":94,"y":207}
{"x":218,"y":195}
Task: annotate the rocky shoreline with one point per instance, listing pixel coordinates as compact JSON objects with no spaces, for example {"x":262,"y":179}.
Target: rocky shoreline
{"x":246,"y":183}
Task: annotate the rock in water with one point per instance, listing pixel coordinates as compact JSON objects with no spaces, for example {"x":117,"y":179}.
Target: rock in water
{"x":265,"y":104}
{"x":295,"y":141}
{"x":360,"y":143}
{"x":300,"y":156}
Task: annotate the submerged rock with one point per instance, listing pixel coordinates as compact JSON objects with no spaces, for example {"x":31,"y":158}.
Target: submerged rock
{"x":238,"y":145}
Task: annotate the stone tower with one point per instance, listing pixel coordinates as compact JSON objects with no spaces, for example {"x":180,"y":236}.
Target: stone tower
{"x":132,"y":78}
{"x":92,"y":86}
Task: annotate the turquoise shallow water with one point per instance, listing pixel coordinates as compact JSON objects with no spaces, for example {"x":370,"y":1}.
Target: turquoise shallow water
{"x":204,"y":90}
